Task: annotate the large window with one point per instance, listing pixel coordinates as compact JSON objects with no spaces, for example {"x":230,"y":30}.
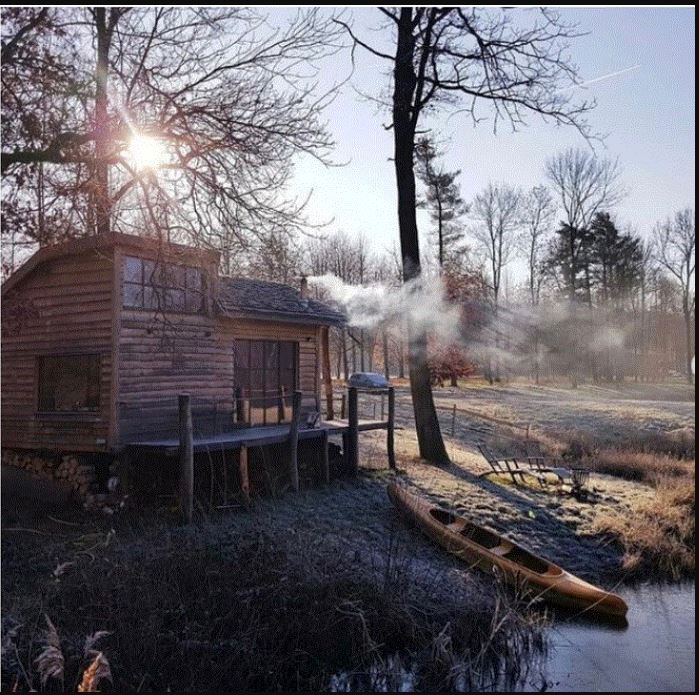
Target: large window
{"x":162,"y":286}
{"x":265,"y":374}
{"x":69,"y":383}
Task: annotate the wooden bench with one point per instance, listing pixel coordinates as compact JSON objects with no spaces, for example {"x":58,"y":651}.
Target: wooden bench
{"x":509,"y":465}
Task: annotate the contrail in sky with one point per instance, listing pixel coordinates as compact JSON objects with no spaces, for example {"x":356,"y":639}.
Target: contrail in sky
{"x":603,"y":77}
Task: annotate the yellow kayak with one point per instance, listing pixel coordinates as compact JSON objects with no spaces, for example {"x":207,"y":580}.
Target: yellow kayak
{"x":487,"y":550}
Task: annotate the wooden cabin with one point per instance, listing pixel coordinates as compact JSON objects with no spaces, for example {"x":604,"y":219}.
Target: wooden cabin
{"x":101,"y":334}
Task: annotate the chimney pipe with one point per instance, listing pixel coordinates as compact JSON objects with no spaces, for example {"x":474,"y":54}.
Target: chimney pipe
{"x":304,"y":287}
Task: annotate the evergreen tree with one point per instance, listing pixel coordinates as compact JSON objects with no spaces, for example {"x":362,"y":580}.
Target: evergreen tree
{"x":443,"y":201}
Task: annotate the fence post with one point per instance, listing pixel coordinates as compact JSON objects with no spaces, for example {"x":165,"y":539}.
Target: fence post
{"x":390,"y":428}
{"x":186,"y":457}
{"x":453,"y":420}
{"x":244,"y":475}
{"x":325,"y":454}
{"x":353,"y":432}
{"x":294,"y":439}
{"x":281,"y":411}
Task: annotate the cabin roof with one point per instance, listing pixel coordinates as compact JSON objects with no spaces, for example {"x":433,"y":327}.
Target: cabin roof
{"x":252,"y":298}
{"x":236,"y":297}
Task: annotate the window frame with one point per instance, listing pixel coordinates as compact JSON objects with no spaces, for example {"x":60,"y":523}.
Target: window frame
{"x":90,"y":412}
{"x":267,"y":394}
{"x":157,"y":283}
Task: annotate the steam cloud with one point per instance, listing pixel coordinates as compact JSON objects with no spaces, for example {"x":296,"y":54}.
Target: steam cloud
{"x":513,"y":336}
{"x":421,"y":302}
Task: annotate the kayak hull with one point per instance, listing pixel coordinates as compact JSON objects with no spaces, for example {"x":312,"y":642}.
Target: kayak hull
{"x":490,"y":552}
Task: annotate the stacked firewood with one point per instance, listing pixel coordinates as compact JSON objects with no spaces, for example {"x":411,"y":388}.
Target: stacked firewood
{"x":69,"y":469}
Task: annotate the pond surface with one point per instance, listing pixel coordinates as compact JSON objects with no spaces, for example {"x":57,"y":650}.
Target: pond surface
{"x":655,"y":652}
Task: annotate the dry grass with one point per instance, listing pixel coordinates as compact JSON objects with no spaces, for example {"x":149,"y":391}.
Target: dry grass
{"x":659,"y":538}
{"x":185,"y":614}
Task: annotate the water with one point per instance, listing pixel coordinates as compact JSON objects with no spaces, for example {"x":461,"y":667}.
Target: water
{"x":655,"y":652}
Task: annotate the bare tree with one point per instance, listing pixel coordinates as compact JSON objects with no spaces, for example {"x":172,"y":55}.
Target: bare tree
{"x":496,"y":211}
{"x":675,"y":242}
{"x":472,"y":57}
{"x":537,"y":215}
{"x":585,"y":184}
{"x":228,"y":99}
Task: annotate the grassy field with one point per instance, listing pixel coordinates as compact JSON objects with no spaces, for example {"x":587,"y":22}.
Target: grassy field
{"x":328,"y":587}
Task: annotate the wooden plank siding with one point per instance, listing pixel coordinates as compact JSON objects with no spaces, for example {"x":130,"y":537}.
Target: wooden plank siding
{"x":193,"y":354}
{"x":71,"y":304}
{"x":64,"y":307}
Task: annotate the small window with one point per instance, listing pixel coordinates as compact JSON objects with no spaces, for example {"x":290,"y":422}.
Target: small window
{"x":163,"y":286}
{"x":69,"y":383}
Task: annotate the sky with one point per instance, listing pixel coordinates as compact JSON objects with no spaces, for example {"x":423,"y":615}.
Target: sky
{"x":647,"y":112}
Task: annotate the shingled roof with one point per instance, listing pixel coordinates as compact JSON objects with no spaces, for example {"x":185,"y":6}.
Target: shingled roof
{"x":255,"y":298}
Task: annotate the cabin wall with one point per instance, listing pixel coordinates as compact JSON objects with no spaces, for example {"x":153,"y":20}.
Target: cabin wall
{"x":162,"y":357}
{"x":63,"y":308}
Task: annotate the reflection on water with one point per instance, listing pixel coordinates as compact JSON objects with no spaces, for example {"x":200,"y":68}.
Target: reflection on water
{"x":654,"y":653}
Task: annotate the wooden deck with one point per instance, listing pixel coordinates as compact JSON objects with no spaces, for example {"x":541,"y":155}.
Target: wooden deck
{"x":261,"y":435}
{"x":241,"y":439}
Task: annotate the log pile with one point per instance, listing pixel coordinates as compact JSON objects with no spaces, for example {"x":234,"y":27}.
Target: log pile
{"x":69,"y":469}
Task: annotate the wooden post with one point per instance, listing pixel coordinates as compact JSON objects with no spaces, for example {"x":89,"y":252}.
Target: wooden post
{"x":327,"y":376}
{"x":353,"y":433}
{"x":281,"y":413}
{"x":294,"y":440}
{"x":239,"y":405}
{"x":244,"y":475}
{"x":390,"y":429}
{"x":383,"y":410}
{"x":453,"y":420}
{"x":325,"y":454}
{"x":186,"y":457}
{"x":343,"y":406}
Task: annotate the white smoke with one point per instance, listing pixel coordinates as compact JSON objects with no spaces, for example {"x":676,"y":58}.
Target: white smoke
{"x":420,"y":302}
{"x":512,"y":337}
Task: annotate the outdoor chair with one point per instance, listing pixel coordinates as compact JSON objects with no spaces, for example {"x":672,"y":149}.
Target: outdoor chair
{"x":509,"y":465}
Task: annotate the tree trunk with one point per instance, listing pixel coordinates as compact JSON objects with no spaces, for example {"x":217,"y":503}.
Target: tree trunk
{"x":101,"y":199}
{"x":688,"y":325}
{"x":430,"y":443}
{"x":386,"y":360}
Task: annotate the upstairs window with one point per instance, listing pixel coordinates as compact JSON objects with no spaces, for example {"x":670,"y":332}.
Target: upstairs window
{"x":69,"y":383}
{"x":162,"y":286}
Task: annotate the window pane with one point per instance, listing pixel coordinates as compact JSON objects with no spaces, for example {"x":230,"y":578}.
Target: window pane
{"x":133,"y":270}
{"x":287,"y":380}
{"x":149,"y":272}
{"x":153,"y":298}
{"x":133,"y":295}
{"x":256,"y":353}
{"x":69,"y":384}
{"x":271,"y":355}
{"x":287,"y":352}
{"x":242,"y":351}
{"x":194,"y":302}
{"x":174,"y":300}
{"x":193,"y":279}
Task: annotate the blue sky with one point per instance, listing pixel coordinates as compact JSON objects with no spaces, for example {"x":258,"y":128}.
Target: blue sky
{"x":647,"y":112}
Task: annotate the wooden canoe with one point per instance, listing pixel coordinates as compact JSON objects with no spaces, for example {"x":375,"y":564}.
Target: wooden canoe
{"x":487,"y":550}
